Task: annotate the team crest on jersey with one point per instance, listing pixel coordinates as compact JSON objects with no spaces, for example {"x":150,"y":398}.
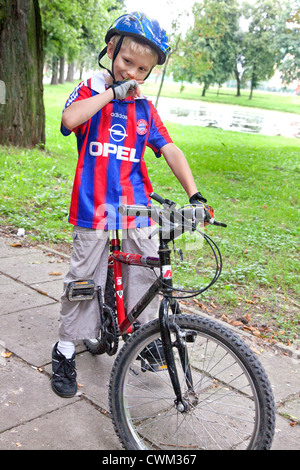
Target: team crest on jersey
{"x":142,"y":127}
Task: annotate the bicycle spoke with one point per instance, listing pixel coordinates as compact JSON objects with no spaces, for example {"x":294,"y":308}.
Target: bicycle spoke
{"x":222,"y":409}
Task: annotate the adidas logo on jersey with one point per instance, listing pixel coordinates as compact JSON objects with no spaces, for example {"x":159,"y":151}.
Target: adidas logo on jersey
{"x":118,"y":115}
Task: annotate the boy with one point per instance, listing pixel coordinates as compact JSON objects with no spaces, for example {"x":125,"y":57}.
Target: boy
{"x":113,"y":124}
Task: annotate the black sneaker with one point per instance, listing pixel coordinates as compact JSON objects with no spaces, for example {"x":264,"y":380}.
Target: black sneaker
{"x":153,"y":358}
{"x":63,"y":380}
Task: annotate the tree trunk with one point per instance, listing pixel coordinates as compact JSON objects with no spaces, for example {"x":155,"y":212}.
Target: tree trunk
{"x":238,"y":82}
{"x":61,"y":70}
{"x":22,"y":116}
{"x":70,"y":74}
{"x":54,"y":78}
{"x":165,"y":71}
{"x":253,"y":81}
{"x":162,"y":81}
{"x":251,"y":90}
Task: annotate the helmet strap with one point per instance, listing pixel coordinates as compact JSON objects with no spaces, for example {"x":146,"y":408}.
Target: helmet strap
{"x":116,"y":52}
{"x":101,"y":55}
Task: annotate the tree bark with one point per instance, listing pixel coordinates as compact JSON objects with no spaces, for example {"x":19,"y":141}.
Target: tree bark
{"x":238,"y":82}
{"x":70,"y":74}
{"x":22,"y":116}
{"x":61,"y":70}
{"x":54,"y":78}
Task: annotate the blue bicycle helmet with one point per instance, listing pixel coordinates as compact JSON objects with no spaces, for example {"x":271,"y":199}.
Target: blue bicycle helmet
{"x":145,"y":29}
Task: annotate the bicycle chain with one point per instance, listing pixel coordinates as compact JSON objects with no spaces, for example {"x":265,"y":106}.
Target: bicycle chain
{"x":109,"y":338}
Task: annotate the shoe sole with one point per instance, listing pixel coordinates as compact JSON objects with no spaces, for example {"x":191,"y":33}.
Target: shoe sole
{"x":63,"y":395}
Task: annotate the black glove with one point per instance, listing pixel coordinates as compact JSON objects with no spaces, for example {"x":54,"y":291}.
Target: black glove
{"x":197,"y":197}
{"x":122,"y":89}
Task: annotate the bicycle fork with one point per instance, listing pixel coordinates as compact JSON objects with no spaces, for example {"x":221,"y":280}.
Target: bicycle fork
{"x":182,"y":403}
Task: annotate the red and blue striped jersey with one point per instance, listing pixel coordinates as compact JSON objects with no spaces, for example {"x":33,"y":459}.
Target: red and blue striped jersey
{"x":111,"y":169}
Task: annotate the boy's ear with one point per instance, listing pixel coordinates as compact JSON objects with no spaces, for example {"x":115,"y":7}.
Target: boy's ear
{"x":110,"y":50}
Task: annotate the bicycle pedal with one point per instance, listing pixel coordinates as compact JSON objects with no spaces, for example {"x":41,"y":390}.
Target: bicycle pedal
{"x":81,"y":290}
{"x":145,"y":366}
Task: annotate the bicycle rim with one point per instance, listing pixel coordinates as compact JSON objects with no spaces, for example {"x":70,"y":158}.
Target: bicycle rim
{"x":231,"y":406}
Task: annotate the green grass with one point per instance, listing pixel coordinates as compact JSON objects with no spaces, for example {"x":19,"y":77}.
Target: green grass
{"x":251,"y":181}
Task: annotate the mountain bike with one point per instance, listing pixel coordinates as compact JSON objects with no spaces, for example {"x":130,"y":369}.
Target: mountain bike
{"x":181,"y":382}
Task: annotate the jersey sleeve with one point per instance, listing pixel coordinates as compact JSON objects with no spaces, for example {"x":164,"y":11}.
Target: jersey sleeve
{"x":158,"y":135}
{"x":80,"y":92}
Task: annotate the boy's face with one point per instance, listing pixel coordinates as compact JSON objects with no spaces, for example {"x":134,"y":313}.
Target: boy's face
{"x":130,"y":65}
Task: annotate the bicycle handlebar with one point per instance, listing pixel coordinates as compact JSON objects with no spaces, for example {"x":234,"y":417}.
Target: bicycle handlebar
{"x":172,"y":220}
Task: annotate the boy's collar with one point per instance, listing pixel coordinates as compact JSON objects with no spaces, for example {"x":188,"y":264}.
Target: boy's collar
{"x":96,"y":83}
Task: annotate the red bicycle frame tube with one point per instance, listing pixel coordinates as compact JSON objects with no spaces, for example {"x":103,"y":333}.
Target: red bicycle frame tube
{"x":115,"y":260}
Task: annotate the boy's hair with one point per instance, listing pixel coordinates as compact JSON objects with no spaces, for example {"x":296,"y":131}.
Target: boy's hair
{"x":136,"y":46}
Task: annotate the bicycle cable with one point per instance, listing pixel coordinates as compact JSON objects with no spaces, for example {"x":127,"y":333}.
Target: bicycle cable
{"x":218,"y":270}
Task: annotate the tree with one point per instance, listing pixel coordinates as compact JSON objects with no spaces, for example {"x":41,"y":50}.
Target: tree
{"x":239,"y":59}
{"x":209,"y":49}
{"x":260,"y":41}
{"x":74,"y":32}
{"x":22,"y":117}
{"x":288,"y":42}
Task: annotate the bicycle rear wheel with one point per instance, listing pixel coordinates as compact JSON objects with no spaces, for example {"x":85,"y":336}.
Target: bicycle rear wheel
{"x":231,"y":406}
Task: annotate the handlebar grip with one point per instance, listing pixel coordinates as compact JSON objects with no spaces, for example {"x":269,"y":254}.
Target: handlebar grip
{"x":220,"y":224}
{"x":157,"y":198}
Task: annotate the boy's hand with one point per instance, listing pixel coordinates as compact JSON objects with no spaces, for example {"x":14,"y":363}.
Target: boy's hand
{"x":125,"y":88}
{"x":197,"y":197}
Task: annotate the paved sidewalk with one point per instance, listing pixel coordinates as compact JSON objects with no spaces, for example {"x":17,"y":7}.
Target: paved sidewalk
{"x":32,"y":416}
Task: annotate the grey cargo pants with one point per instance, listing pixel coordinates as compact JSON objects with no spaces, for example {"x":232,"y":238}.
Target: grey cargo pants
{"x":81,"y":320}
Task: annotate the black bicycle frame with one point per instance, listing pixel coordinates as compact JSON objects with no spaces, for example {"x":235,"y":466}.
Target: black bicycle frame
{"x":164,"y":284}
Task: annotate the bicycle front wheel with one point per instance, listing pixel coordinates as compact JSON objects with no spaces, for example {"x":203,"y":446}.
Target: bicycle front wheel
{"x":230,"y":406}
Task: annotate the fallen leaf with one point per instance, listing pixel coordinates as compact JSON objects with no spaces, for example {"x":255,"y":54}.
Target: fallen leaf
{"x":237,"y":323}
{"x":255,"y":350}
{"x":257,"y":333}
{"x":6,"y":354}
{"x":41,"y":292}
{"x":16,"y":244}
{"x":55,"y":273}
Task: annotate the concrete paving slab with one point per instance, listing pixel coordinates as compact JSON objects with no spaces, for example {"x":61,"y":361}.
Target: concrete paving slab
{"x":35,"y":267}
{"x":286,"y":437}
{"x":31,"y":333}
{"x":12,"y":247}
{"x":25,"y":394}
{"x":17,"y":297}
{"x":76,"y":426}
{"x":290,"y":409}
{"x":53,"y":289}
{"x":285,"y":377}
